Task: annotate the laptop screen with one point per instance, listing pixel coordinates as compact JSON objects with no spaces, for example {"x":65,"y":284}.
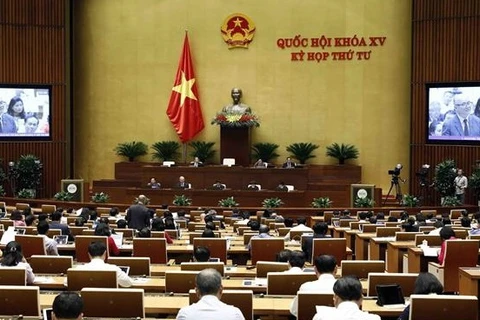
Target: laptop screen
{"x":125,"y":269}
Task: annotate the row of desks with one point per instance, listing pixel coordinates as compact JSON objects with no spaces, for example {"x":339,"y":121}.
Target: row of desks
{"x":262,"y":306}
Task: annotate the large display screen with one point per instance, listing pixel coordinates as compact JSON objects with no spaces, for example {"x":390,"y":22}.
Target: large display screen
{"x":25,"y":112}
{"x":453,"y":113}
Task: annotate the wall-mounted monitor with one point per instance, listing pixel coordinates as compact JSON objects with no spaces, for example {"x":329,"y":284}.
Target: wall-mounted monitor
{"x":25,"y":112}
{"x":453,"y":113}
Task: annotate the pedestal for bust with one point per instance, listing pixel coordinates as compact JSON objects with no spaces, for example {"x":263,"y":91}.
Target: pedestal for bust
{"x":236,"y":143}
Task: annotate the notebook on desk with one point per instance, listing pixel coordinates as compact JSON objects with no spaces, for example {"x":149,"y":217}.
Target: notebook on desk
{"x":430,"y":252}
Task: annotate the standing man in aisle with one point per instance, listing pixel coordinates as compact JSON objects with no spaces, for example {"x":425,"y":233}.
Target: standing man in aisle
{"x":461,"y":183}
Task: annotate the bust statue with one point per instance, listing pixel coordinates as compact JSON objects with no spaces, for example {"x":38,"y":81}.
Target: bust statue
{"x":237,"y":106}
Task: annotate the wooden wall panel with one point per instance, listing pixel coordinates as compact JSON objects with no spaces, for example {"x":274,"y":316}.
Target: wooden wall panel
{"x":445,"y":48}
{"x":33,"y":50}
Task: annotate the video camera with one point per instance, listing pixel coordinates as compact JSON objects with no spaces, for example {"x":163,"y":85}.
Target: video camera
{"x":396,"y":170}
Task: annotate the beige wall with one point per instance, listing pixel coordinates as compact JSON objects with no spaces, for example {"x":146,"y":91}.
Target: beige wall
{"x":126,"y":54}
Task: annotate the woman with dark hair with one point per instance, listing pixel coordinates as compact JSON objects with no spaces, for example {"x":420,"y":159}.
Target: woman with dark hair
{"x":18,"y":218}
{"x":103,"y":229}
{"x":446,"y":233}
{"x":426,"y":283}
{"x":13,"y":257}
{"x":159,"y":225}
{"x":17,"y":110}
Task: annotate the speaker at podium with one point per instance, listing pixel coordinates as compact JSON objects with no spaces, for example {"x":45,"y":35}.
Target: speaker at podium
{"x":75,"y":187}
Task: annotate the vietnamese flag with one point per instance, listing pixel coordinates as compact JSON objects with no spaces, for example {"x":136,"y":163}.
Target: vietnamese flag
{"x":184,"y":109}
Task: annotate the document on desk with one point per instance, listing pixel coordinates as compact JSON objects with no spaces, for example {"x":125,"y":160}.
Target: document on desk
{"x":430,"y":252}
{"x":260,"y":282}
{"x":43,"y":279}
{"x":386,"y":239}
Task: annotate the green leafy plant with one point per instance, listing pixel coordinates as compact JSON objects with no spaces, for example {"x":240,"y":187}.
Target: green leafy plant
{"x":302,"y":151}
{"x":100,"y":197}
{"x":322,"y":202}
{"x":2,"y":191}
{"x":3,"y":176}
{"x":236,"y":120}
{"x":342,"y":152}
{"x":131,"y":150}
{"x":450,"y":201}
{"x":202,"y":149}
{"x":272,"y":203}
{"x":265,"y":151}
{"x":228,"y":202}
{"x":363,"y":203}
{"x":166,"y":150}
{"x":26,"y":173}
{"x":63,"y":196}
{"x":445,"y":173}
{"x":474,"y":182}
{"x":182,"y":200}
{"x":410,"y":201}
{"x":26,"y":194}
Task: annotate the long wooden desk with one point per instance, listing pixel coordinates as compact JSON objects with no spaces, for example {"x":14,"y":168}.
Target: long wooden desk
{"x":262,"y":306}
{"x":157,"y":284}
{"x":417,"y":262}
{"x":395,"y":251}
{"x":361,"y":245}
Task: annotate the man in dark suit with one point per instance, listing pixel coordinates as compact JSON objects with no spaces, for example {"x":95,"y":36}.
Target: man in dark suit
{"x":464,"y":123}
{"x":289,"y":164}
{"x":182,"y":184}
{"x":56,"y":224}
{"x":138,"y":216}
{"x":319,"y":231}
{"x":7,"y":123}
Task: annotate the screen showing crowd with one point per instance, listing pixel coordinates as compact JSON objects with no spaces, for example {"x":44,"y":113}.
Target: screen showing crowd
{"x":24,"y":112}
{"x":454,"y":113}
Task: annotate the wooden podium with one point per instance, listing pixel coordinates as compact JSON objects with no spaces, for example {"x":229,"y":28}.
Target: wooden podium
{"x":236,"y":143}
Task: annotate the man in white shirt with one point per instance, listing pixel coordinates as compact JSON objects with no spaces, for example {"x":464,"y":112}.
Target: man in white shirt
{"x":301,"y":226}
{"x":97,"y":252}
{"x":325,"y":268}
{"x":50,"y":244}
{"x":209,"y":290}
{"x":296,"y":262}
{"x":347,"y":298}
{"x":461,"y":183}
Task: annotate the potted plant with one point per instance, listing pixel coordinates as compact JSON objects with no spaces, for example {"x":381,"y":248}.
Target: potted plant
{"x":166,"y":150}
{"x":410,"y":201}
{"x":182,"y":201}
{"x":450,"y":201}
{"x":2,"y":191}
{"x":26,"y":194}
{"x":228,"y":202}
{"x":342,"y":152}
{"x":363,"y":202}
{"x":322,"y":202}
{"x":265,"y":151}
{"x":445,"y":173}
{"x":63,"y":196}
{"x":302,"y":151}
{"x":203,"y":150}
{"x":272,"y":203}
{"x":131,"y":150}
{"x":26,"y":173}
{"x":474,"y":182}
{"x":100,"y":197}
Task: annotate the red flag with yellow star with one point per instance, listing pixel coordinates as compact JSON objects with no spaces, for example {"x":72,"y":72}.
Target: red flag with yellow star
{"x":184,"y":109}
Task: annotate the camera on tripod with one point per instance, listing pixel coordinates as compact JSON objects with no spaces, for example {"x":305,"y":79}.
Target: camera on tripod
{"x":395,"y":173}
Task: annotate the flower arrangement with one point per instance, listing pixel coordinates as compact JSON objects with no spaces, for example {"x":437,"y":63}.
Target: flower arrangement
{"x":410,"y":201}
{"x":100,"y":197}
{"x":228,"y":202}
{"x":272,"y":203}
{"x":182,"y":200}
{"x":322,"y":202}
{"x":364,"y":203}
{"x":236,"y":120}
